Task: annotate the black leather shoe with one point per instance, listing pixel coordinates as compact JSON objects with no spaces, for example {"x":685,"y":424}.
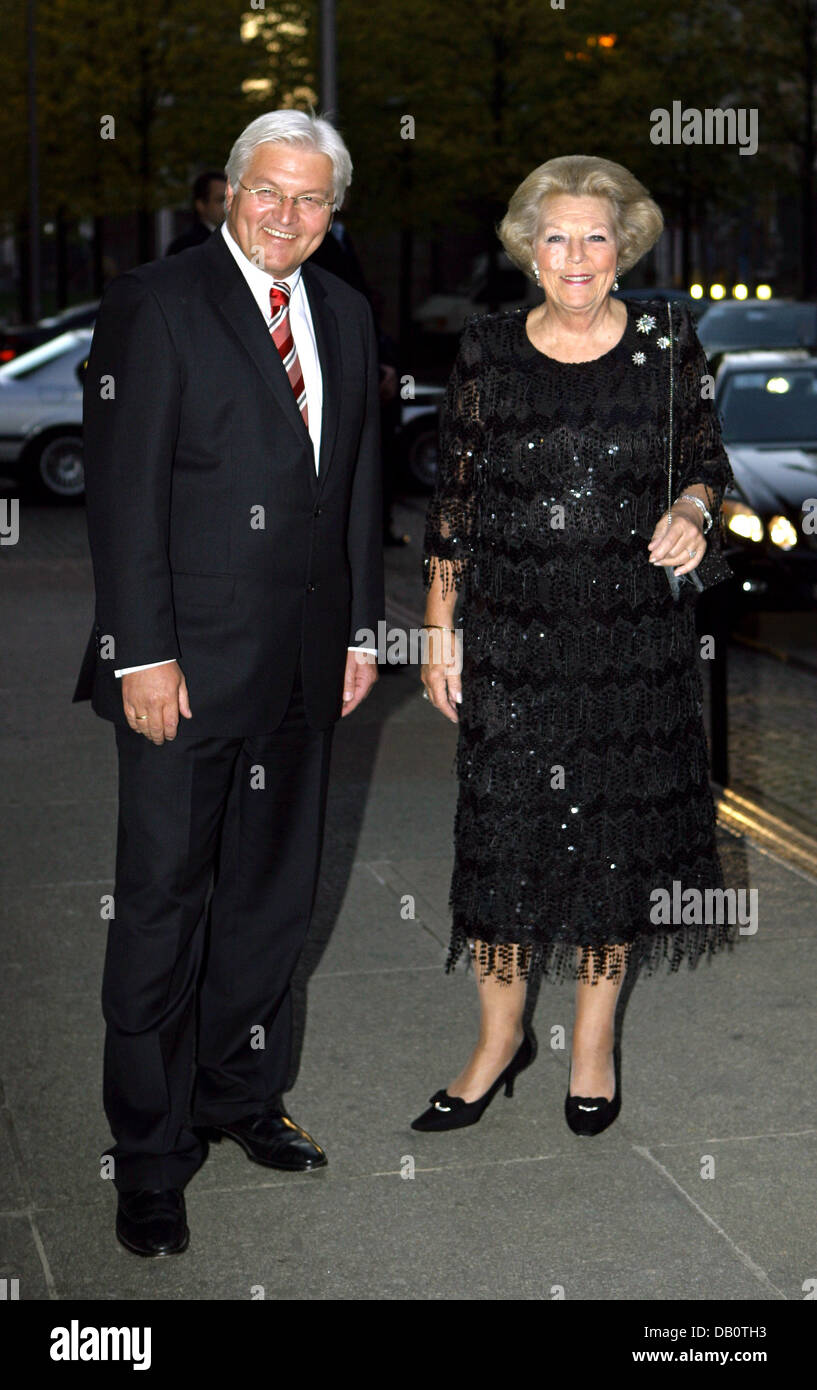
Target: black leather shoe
{"x":151,"y":1222}
{"x":452,"y":1112}
{"x":273,"y":1139}
{"x":589,"y":1115}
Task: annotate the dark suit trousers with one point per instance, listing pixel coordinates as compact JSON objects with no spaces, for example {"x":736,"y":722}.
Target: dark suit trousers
{"x":196,"y":991}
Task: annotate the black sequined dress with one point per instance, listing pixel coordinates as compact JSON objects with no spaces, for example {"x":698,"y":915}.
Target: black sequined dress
{"x":581,"y":756}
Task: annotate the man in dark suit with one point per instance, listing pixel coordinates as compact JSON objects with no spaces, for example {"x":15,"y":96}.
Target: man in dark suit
{"x":233,"y":488}
{"x":209,"y":191}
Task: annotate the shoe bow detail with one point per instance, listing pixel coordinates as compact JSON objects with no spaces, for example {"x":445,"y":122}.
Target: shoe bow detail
{"x":442,"y":1101}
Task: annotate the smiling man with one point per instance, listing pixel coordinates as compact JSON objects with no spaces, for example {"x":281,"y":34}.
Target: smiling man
{"x":234,"y":515}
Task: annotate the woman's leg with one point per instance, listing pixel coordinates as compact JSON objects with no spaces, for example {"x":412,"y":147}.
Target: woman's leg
{"x":592,"y":1068}
{"x":500,"y":1033}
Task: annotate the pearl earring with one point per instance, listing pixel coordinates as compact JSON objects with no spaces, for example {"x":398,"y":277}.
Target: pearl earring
{"x":536,"y":272}
{"x":615,"y":282}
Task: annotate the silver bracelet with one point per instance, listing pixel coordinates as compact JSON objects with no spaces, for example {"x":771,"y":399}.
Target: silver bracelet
{"x":690,"y":497}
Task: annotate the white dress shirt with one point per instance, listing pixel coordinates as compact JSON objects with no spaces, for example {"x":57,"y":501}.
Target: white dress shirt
{"x":259,"y":283}
{"x":300,"y":320}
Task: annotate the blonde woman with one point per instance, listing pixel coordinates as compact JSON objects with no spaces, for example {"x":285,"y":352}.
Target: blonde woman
{"x":582,"y":759}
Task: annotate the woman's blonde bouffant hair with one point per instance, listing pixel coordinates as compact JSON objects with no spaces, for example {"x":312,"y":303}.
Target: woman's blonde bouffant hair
{"x":637,"y":219}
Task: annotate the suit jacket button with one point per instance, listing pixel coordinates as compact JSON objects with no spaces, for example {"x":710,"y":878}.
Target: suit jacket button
{"x":310,"y":588}
{"x":317,"y":511}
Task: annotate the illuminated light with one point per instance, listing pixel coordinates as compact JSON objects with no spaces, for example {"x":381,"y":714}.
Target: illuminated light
{"x":782,"y":532}
{"x":7,"y":355}
{"x":778,"y":385}
{"x":742,"y":521}
{"x":740,"y":292}
{"x":716,"y":291}
{"x":763,"y":292}
{"x":591,"y":41}
{"x":697,"y":291}
{"x":607,"y":40}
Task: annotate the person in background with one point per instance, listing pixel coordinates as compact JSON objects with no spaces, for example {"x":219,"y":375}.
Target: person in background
{"x":209,"y":191}
{"x":337,"y":254}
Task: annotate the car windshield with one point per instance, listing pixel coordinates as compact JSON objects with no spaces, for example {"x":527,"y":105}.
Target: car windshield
{"x":777,"y":405}
{"x":730,"y":326}
{"x":44,"y":355}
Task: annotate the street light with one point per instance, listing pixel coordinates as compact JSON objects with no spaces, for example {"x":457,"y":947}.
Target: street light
{"x":33,"y":169}
{"x":329,"y":68}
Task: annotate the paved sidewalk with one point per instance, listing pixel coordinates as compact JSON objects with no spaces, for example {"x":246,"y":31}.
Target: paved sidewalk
{"x":717,"y":1063}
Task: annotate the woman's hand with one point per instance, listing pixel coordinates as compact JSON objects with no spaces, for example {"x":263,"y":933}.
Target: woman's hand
{"x":441,"y":674}
{"x":671,"y":545}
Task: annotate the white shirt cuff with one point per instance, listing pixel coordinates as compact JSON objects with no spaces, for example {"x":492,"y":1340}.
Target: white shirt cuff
{"x":127,"y":670}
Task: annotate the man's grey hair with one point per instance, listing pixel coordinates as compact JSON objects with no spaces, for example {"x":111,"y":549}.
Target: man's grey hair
{"x":293,"y":128}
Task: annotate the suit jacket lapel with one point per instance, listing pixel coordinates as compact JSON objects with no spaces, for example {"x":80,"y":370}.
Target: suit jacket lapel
{"x":327,"y":339}
{"x":235,"y":302}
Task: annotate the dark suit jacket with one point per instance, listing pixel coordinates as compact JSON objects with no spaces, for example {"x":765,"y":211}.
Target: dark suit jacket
{"x":212,"y":539}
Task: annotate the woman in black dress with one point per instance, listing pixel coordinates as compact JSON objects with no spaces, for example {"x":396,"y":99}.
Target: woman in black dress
{"x":581,"y":477}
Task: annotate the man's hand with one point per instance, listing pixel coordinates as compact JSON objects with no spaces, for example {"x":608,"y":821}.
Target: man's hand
{"x":159,"y":696}
{"x":360,"y":676}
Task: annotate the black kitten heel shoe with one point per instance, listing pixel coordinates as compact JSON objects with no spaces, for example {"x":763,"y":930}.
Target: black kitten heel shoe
{"x":588,"y":1115}
{"x":452,"y":1112}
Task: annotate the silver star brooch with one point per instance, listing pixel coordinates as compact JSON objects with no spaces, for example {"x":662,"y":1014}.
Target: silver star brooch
{"x":639,"y":358}
{"x":645,"y":324}
{"x":663,"y":342}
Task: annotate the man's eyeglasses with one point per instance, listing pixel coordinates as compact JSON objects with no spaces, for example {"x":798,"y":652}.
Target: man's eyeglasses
{"x":267,"y":197}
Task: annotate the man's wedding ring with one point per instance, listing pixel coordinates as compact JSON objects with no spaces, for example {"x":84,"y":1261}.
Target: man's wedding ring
{"x":140,"y":716}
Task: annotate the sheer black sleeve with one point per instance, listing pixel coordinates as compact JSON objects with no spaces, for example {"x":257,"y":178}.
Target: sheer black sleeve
{"x":450,"y":521}
{"x":701,"y":456}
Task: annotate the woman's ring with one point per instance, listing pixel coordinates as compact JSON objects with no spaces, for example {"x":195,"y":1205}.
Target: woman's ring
{"x":692,"y":554}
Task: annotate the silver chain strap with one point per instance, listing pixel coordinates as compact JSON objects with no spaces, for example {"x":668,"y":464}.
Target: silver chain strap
{"x":669,"y":448}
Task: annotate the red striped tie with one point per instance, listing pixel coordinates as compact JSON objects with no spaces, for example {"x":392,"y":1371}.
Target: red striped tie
{"x":285,"y":343}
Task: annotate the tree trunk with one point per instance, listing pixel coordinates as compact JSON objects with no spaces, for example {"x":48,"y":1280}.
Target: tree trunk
{"x":61,"y":258}
{"x":406,"y":269}
{"x":98,"y":255}
{"x":808,"y":181}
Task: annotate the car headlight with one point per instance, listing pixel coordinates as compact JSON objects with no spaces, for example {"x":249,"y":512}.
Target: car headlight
{"x":782,"y":533}
{"x":742,"y":521}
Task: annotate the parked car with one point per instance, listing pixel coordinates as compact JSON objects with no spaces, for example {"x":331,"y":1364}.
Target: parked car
{"x":444,"y":315}
{"x":746,"y":325}
{"x":699,"y":307}
{"x":22,"y":337}
{"x":41,"y":415}
{"x":418,"y":436}
{"x":767,"y":403}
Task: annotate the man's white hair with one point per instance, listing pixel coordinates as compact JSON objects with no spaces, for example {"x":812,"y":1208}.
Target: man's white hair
{"x":293,"y":128}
